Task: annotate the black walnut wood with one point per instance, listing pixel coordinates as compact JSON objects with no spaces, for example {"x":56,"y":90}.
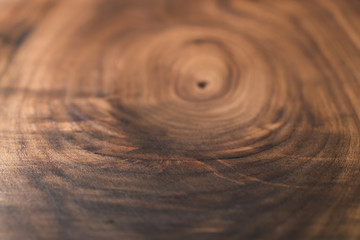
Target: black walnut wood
{"x":179,"y":119}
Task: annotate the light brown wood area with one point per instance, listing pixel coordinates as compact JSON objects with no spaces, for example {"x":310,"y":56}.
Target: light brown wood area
{"x":179,"y":119}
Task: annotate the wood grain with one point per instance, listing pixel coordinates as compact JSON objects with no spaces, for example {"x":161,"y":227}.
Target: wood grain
{"x":179,"y":119}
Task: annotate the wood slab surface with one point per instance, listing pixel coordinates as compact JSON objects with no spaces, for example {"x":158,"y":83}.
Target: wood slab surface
{"x":179,"y":119}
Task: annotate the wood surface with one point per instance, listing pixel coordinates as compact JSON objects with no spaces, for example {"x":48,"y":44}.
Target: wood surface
{"x":179,"y":119}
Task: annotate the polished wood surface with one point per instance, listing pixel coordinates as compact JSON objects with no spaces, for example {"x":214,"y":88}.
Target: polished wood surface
{"x":179,"y":119}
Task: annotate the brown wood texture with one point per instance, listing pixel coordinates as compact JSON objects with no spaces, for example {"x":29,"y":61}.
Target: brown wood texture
{"x":179,"y":119}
